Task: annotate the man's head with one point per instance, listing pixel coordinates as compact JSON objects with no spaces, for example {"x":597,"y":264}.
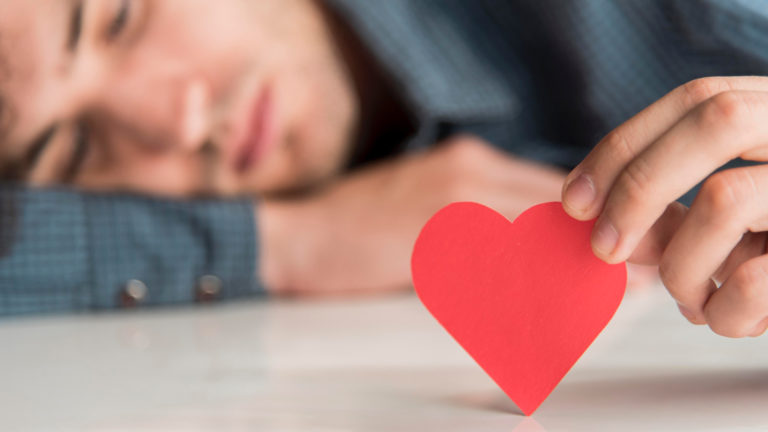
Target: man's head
{"x":173,"y":97}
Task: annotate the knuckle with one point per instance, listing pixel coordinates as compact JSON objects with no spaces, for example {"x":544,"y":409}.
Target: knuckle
{"x":701,"y":89}
{"x":723,"y":195}
{"x":749,"y":282}
{"x":460,"y":170}
{"x":717,"y":194}
{"x":725,"y":110}
{"x":618,"y":145}
{"x":465,"y":166}
{"x":635,"y":182}
{"x":459,"y":157}
{"x":465,"y":149}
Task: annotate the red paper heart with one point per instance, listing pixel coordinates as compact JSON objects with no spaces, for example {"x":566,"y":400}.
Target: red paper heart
{"x":524,"y":299}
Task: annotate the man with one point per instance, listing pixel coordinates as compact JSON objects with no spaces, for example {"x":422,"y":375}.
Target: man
{"x":326,"y":110}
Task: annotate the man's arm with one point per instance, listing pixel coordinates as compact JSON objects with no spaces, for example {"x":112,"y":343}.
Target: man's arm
{"x":356,"y":235}
{"x":66,"y":251}
{"x":71,"y":251}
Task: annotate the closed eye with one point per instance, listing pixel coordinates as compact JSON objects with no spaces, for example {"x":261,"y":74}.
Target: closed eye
{"x":75,"y":27}
{"x":120,"y":20}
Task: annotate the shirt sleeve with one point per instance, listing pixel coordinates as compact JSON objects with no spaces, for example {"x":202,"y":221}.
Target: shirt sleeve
{"x":66,"y":251}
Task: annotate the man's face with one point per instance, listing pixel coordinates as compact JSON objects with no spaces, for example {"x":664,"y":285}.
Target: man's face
{"x":173,"y":97}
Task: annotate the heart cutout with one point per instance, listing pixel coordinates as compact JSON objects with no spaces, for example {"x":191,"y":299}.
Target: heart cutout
{"x":524,"y":299}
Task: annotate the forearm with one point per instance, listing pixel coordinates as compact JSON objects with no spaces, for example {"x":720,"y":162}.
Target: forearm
{"x":356,"y":235}
{"x":310,"y":249}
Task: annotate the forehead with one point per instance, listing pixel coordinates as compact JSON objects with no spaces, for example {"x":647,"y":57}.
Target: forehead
{"x":31,"y":38}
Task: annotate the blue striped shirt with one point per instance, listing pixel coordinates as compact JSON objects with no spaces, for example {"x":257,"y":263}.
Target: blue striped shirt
{"x":542,"y":79}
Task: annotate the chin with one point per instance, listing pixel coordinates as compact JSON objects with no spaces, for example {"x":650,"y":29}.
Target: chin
{"x":292,"y":172}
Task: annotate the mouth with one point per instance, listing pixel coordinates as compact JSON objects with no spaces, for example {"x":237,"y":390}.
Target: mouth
{"x":258,"y":136}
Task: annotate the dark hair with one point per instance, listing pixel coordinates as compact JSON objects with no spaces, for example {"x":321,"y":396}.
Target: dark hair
{"x":9,"y":217}
{"x":9,"y":206}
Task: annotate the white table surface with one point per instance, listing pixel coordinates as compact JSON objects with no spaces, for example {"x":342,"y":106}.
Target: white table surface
{"x":379,"y":364}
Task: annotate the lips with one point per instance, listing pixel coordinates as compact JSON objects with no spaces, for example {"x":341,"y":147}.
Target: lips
{"x":258,"y":132}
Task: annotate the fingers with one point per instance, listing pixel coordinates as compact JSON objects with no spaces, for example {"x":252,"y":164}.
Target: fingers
{"x":588,"y":184}
{"x":653,"y":244}
{"x":715,"y":132}
{"x":630,"y":178}
{"x":740,"y":307}
{"x":726,"y":207}
{"x":752,"y":244}
{"x":641,"y":277}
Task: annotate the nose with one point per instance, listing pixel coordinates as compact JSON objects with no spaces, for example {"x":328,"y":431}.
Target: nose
{"x":165,"y":107}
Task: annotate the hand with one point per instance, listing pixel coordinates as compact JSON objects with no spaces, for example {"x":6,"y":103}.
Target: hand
{"x":357,"y":234}
{"x":634,"y":175}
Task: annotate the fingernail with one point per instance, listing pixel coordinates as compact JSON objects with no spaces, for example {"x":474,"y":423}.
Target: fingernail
{"x":580,"y":193}
{"x":760,"y":328}
{"x":605,"y":237}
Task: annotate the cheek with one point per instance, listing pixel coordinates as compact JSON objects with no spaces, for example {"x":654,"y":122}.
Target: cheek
{"x":324,"y":116}
{"x":125,"y":164}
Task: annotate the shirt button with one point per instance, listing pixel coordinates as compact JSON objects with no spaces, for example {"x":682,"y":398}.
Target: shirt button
{"x":134,"y":293}
{"x":208,"y":288}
